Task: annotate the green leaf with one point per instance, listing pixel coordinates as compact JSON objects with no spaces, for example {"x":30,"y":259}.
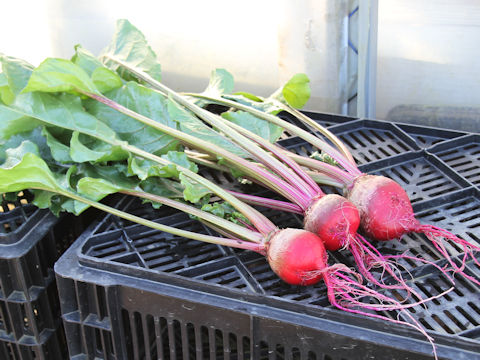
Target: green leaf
{"x":96,"y":189}
{"x":6,"y":94}
{"x":84,"y":148}
{"x":146,"y":102}
{"x":60,"y":152}
{"x":105,"y":79}
{"x":260,"y":127}
{"x":193,"y":191}
{"x":265,"y":106}
{"x":296,"y":91}
{"x":35,"y":136}
{"x":24,"y":169}
{"x":145,"y":168}
{"x":86,"y":60}
{"x":221,"y":82}
{"x":190,"y":124}
{"x":225,"y":211}
{"x":14,"y":122}
{"x":248,"y":96}
{"x":64,"y":111}
{"x":43,"y":199}
{"x":17,"y":72}
{"x":130,"y":46}
{"x":163,"y":187}
{"x":115,"y":172}
{"x":57,"y":75}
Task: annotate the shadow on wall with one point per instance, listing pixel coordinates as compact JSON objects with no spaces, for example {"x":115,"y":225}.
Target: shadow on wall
{"x":451,"y":117}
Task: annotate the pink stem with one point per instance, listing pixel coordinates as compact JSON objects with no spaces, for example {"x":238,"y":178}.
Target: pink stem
{"x":367,"y":257}
{"x":340,"y":285}
{"x":436,"y":234}
{"x":269,"y":203}
{"x":311,"y":185}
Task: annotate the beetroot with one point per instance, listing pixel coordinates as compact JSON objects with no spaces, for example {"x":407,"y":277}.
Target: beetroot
{"x":334,"y":218}
{"x":297,"y":256}
{"x":386,"y":213}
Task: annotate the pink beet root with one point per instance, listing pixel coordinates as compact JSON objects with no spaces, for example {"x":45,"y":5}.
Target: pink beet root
{"x":386,"y":213}
{"x":385,"y":209}
{"x":297,"y":256}
{"x":334,"y":218}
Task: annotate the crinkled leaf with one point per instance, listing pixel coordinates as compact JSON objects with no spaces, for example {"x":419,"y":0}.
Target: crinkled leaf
{"x":191,"y":125}
{"x":60,"y":152}
{"x":296,"y":91}
{"x":260,"y":127}
{"x":43,"y":199}
{"x":24,"y":169}
{"x":85,"y":148}
{"x":130,"y":46}
{"x":56,"y":75}
{"x":6,"y":94}
{"x":14,"y":122}
{"x":115,"y":172}
{"x":86,"y":60}
{"x":96,"y":189}
{"x":226,"y":211}
{"x":163,"y":187}
{"x":35,"y":136}
{"x":324,"y":158}
{"x":146,"y":102}
{"x":144,"y":168}
{"x":221,"y":82}
{"x":17,"y":72}
{"x":64,"y":111}
{"x":193,"y":191}
{"x":105,"y":79}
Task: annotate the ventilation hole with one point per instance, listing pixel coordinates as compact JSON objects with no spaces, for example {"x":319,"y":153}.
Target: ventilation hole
{"x":192,"y":343}
{"x":137,"y":332}
{"x":177,"y":333}
{"x":440,"y":322}
{"x":474,"y":307}
{"x":425,"y":324}
{"x":296,"y":354}
{"x":98,"y":343}
{"x":219,"y":344}
{"x":246,"y":348}
{"x":467,"y":316}
{"x":205,"y":341}
{"x":263,"y":351}
{"x":279,"y":352}
{"x":454,"y":320}
{"x":162,"y":333}
{"x":127,"y":333}
{"x":150,"y":337}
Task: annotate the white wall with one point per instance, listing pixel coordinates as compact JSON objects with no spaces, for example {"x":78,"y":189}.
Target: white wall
{"x":428,"y":54}
{"x":262,"y":43}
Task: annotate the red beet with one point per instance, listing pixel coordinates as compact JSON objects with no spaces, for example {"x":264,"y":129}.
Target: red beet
{"x":334,"y":219}
{"x":386,"y":213}
{"x":297,"y":256}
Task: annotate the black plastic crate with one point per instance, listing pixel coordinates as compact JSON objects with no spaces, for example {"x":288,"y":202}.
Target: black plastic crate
{"x":368,"y":140}
{"x":463,"y":155}
{"x":426,"y":136}
{"x":422,"y":175}
{"x":133,"y":292}
{"x":31,"y":240}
